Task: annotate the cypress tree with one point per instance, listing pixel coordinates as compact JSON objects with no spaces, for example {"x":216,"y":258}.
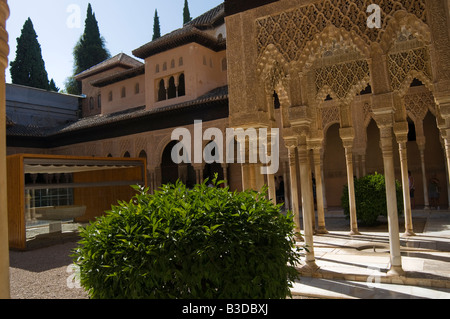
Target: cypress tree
{"x":52,"y":86}
{"x":29,"y":68}
{"x":186,"y":14}
{"x":156,"y":27}
{"x":89,"y":51}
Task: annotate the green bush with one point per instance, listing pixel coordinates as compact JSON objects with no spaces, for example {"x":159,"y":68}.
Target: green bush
{"x":205,"y":242}
{"x":370,"y":197}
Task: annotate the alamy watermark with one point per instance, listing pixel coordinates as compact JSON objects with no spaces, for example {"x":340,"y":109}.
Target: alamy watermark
{"x":263,"y":146}
{"x":374,"y":20}
{"x":74,"y":19}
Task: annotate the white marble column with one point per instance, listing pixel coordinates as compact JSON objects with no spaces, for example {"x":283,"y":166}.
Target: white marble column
{"x":294,"y":189}
{"x":305,"y":179}
{"x":401,"y":133}
{"x":391,"y":198}
{"x":321,"y":229}
{"x":347,"y":136}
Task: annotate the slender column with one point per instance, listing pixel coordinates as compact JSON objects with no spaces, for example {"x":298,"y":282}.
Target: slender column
{"x":225,"y":173}
{"x":287,"y":200}
{"x":324,"y":193}
{"x":245,"y":176}
{"x":391,"y":198}
{"x":305,"y":179}
{"x":401,"y":133}
{"x":363,"y":164}
{"x":347,"y":136}
{"x":272,"y":188}
{"x":321,"y":229}
{"x":424,"y":177}
{"x":294,"y":189}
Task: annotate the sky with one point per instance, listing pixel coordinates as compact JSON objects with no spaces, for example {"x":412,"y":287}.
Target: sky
{"x":125,"y":25}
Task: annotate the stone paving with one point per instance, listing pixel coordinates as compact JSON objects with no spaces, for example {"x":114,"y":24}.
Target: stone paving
{"x":357,"y":266}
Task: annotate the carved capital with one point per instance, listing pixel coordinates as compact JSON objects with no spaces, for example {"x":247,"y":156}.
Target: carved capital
{"x":347,"y":135}
{"x":401,"y":130}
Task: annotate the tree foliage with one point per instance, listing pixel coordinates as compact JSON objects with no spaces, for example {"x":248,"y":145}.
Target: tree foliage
{"x":186,"y":13}
{"x":90,"y":50}
{"x":370,"y":197}
{"x":205,"y":242}
{"x":156,"y":27}
{"x":29,"y":67}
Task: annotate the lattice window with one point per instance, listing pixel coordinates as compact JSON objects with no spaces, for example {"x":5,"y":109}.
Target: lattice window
{"x":418,"y":104}
{"x":401,"y":65}
{"x":342,"y":78}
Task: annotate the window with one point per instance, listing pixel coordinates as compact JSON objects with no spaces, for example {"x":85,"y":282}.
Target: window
{"x":180,"y":62}
{"x":172,"y":63}
{"x":204,"y":60}
{"x":110,"y":96}
{"x":181,"y":86}
{"x":165,"y":66}
{"x":124,"y":92}
{"x":127,"y":154}
{"x":172,"y":91}
{"x":224,"y":64}
{"x":276,"y":101}
{"x":91,"y":103}
{"x":161,"y":91}
{"x":157,"y":68}
{"x":137,"y":89}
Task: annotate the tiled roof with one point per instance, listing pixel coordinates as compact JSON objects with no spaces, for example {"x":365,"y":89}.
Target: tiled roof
{"x":190,"y":32}
{"x":208,"y":19}
{"x":218,"y":94}
{"x":120,"y":59}
{"x":119,"y":76}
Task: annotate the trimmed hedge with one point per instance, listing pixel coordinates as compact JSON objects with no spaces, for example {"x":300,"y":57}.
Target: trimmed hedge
{"x":205,"y":242}
{"x":370,"y":197}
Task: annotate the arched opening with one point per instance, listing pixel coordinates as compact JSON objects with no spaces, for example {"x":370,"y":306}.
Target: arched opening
{"x":161,"y":91}
{"x":127,"y":154}
{"x":335,"y":169}
{"x":181,"y":85}
{"x":143,"y":154}
{"x":171,"y":172}
{"x":211,"y":154}
{"x":172,"y":91}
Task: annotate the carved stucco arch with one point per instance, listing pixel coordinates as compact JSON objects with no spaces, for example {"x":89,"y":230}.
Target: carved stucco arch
{"x":400,"y":21}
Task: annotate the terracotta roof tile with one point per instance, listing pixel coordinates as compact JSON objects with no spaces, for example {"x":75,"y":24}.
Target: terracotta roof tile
{"x":120,"y":59}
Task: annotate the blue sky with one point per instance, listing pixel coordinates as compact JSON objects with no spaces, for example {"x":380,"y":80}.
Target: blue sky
{"x":125,"y":25}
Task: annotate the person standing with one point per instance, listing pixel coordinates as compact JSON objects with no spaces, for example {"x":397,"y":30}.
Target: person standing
{"x":412,"y":189}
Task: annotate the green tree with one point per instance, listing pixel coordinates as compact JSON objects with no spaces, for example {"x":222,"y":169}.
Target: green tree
{"x":52,"y":86}
{"x":156,"y":27}
{"x":29,"y":67}
{"x":186,"y":14}
{"x":89,"y":51}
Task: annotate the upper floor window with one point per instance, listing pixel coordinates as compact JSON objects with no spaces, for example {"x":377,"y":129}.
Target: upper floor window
{"x":110,"y":96}
{"x":162,"y":91}
{"x":180,"y":62}
{"x":181,"y":85}
{"x":172,"y":63}
{"x":124,"y":92}
{"x":172,"y":91}
{"x":137,"y":88}
{"x":91,"y":103}
{"x":157,"y":68}
{"x":164,"y":66}
{"x":204,"y":60}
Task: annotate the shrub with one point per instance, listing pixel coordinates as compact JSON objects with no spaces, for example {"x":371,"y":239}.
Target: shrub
{"x":370,"y":197}
{"x":205,"y":242}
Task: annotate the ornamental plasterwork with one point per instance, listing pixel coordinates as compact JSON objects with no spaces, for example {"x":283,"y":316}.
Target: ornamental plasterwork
{"x":342,"y":79}
{"x":329,"y":115}
{"x":418,"y":104}
{"x":290,"y":31}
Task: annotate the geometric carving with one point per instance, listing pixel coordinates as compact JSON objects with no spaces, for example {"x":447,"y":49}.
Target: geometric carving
{"x":418,"y":104}
{"x":290,"y":31}
{"x":405,"y":64}
{"x":342,"y":78}
{"x":330,"y":115}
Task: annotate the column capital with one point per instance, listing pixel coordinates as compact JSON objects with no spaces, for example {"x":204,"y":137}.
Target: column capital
{"x":401,"y":130}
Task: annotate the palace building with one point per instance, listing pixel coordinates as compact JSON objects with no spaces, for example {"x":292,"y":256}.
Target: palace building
{"x":348,"y":98}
